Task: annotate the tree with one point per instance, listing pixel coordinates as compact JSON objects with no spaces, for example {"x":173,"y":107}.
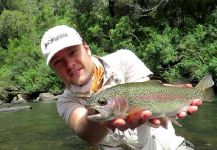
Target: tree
{"x":13,"y":24}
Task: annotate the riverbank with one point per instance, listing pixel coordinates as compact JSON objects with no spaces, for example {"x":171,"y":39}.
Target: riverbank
{"x":13,"y":95}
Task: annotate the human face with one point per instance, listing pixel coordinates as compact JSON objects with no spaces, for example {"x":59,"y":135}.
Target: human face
{"x":73,"y":64}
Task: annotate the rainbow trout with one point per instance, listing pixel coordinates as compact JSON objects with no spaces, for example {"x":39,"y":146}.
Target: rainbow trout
{"x":124,"y":100}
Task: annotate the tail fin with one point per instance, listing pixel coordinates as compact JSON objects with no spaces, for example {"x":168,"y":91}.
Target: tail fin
{"x":205,"y":83}
{"x":208,"y":95}
{"x":205,"y":86}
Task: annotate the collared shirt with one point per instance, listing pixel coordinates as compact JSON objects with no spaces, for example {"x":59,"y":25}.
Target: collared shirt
{"x":122,"y":66}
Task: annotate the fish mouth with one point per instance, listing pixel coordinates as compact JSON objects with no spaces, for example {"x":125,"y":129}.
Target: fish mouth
{"x":95,"y":117}
{"x":97,"y":114}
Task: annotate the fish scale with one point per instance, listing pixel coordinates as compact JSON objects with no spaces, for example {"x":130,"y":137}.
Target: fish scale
{"x":120,"y":100}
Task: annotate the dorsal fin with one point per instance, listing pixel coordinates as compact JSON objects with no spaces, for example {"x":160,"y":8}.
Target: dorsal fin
{"x":104,"y":88}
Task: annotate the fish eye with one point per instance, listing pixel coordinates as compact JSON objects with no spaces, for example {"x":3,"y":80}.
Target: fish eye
{"x":102,"y":102}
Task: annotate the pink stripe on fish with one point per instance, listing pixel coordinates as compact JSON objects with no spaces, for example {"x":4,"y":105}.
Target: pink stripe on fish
{"x":161,"y":96}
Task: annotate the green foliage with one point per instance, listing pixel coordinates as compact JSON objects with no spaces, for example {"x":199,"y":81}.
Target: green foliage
{"x":175,"y":39}
{"x":6,"y":4}
{"x":13,"y":24}
{"x":38,"y":78}
{"x":5,"y":76}
{"x":24,"y":71}
{"x":160,"y":48}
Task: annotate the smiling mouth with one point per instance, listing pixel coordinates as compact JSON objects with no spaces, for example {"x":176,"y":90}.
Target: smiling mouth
{"x":74,"y":71}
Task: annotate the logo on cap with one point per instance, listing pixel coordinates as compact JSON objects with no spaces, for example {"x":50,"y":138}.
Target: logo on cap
{"x":54,"y":39}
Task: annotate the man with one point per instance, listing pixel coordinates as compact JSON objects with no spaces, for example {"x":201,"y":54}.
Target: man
{"x":83,"y":74}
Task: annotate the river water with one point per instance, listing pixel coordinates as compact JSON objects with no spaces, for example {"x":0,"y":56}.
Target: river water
{"x":42,"y":129}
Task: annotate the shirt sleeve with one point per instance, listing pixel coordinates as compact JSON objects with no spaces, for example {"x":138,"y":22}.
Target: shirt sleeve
{"x":134,"y":69}
{"x":66,"y":104}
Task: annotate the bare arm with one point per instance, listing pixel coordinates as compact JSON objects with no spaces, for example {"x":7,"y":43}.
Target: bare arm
{"x":89,"y":131}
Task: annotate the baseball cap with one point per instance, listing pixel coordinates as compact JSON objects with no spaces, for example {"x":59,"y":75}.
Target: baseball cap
{"x":58,"y":38}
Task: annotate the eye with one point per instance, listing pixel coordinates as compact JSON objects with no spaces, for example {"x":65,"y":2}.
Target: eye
{"x":102,"y":102}
{"x":57,"y":62}
{"x":72,"y":52}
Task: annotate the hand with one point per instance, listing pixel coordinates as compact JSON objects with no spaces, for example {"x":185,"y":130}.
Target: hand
{"x":191,"y":109}
{"x":138,"y":119}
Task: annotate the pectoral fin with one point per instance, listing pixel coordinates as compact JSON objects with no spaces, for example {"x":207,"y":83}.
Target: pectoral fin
{"x":164,"y":121}
{"x":174,"y":120}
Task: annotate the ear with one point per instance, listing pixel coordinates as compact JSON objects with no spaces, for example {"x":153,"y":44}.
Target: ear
{"x":86,"y":46}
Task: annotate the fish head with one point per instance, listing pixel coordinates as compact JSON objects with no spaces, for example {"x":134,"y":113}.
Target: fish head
{"x":105,"y":108}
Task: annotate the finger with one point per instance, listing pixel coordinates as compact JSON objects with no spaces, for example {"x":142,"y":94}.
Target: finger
{"x":109,"y":125}
{"x":155,"y":123}
{"x":196,"y":102}
{"x":179,"y":85}
{"x":192,"y":109}
{"x":145,"y":115}
{"x":182,"y":115}
{"x":187,"y":85}
{"x":118,"y":123}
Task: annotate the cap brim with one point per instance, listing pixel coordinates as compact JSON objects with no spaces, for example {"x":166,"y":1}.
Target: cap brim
{"x":60,"y":47}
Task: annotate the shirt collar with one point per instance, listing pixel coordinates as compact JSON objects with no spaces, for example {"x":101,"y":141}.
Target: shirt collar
{"x":110,"y":74}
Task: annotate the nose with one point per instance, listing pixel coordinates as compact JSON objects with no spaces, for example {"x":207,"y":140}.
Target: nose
{"x":70,"y":63}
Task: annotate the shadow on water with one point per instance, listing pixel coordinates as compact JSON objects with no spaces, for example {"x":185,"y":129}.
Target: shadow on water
{"x":42,"y":129}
